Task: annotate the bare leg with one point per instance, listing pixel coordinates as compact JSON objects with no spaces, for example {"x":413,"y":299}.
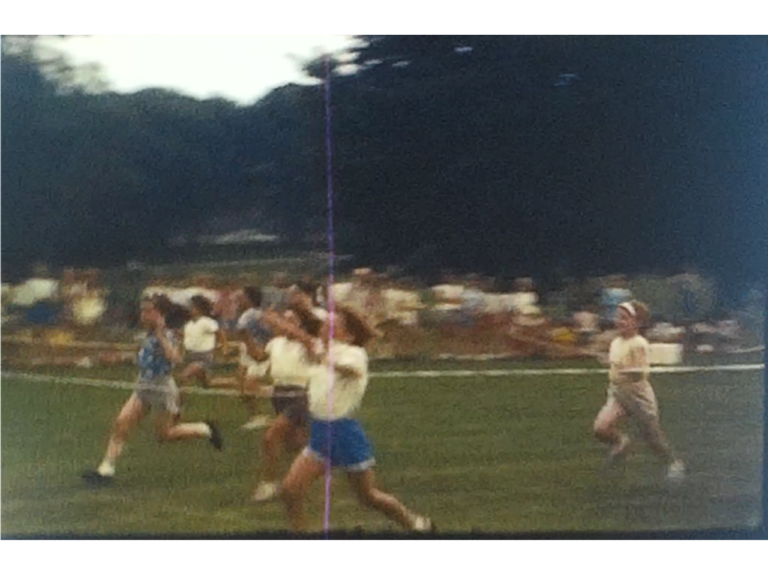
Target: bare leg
{"x":657,"y":440}
{"x":126,"y":422}
{"x":364,"y":484}
{"x":305,"y":470}
{"x":606,"y":427}
{"x":274,"y":438}
{"x":167,"y":430}
{"x":298,"y":438}
{"x":253,"y":388}
{"x":194,"y":372}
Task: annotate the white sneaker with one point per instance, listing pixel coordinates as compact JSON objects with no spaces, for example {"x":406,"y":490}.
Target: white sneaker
{"x":106,"y":469}
{"x":265,"y":491}
{"x":423,"y":524}
{"x":676,"y":471}
{"x":256,"y":423}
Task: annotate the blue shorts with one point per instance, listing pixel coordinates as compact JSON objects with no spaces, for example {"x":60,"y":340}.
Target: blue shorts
{"x":349,"y":446}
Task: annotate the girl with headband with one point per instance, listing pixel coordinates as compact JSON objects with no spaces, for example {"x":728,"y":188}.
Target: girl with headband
{"x":630,"y":394}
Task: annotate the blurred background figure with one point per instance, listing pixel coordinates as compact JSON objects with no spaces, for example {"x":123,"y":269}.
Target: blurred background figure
{"x":7,"y":294}
{"x":614,"y":293}
{"x":472,"y":301}
{"x":71,"y":289}
{"x":525,"y":300}
{"x":225,"y":309}
{"x":89,"y":303}
{"x":39,"y":297}
{"x":587,"y":324}
{"x":276,"y":295}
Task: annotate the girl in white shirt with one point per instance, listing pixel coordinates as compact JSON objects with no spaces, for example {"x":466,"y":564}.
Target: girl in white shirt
{"x":337,"y":382}
{"x":630,"y":394}
{"x":289,"y":365}
{"x":202,"y":336}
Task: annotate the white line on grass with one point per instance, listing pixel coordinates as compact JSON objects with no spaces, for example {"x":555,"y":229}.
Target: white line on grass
{"x":123,"y":385}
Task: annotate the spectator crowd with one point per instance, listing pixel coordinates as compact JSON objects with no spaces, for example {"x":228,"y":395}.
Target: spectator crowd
{"x":461,"y":316}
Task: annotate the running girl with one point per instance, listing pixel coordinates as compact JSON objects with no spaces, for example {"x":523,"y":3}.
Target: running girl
{"x":336,"y":437}
{"x":289,"y":370}
{"x":253,"y":359}
{"x":202,"y":337}
{"x":630,"y":394}
{"x":156,"y":389}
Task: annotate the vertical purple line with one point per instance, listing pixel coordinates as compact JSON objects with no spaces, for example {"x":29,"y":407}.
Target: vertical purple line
{"x":328,"y":167}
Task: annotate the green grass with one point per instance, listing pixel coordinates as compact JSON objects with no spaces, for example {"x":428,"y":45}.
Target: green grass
{"x":512,"y":454}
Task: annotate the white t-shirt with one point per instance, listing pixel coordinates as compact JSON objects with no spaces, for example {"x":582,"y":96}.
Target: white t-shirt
{"x":341,"y":292}
{"x":35,"y":290}
{"x":523,"y":301}
{"x":448,"y":292}
{"x":346,"y":394}
{"x":200,"y":334}
{"x":587,"y":322}
{"x":629,"y":353}
{"x":288,"y":362}
{"x":320,"y":313}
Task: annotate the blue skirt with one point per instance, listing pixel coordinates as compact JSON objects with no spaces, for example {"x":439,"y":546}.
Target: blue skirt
{"x":344,"y":441}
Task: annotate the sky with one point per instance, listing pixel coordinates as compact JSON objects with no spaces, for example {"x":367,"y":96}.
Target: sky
{"x":240,"y":68}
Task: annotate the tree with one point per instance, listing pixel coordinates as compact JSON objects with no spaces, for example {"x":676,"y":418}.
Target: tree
{"x":522,"y":153}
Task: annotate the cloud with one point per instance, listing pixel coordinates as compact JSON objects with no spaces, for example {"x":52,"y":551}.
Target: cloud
{"x":242,"y":68}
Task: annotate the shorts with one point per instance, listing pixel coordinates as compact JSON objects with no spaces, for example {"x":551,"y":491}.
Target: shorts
{"x":343,"y":441}
{"x":638,"y":401}
{"x":205,"y":359}
{"x":162,"y":395}
{"x":295,"y":407}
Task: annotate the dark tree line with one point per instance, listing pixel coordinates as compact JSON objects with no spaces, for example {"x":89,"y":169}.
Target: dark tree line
{"x":505,"y":155}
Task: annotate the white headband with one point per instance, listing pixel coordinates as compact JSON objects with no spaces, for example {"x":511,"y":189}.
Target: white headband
{"x":629,"y":308}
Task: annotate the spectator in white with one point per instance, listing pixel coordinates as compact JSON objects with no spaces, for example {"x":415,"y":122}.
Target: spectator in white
{"x":90,"y":304}
{"x":375,"y":305}
{"x":587,"y":325}
{"x":525,"y":299}
{"x":38,"y":295}
{"x":665,"y":332}
{"x":472,"y":302}
{"x":402,"y":304}
{"x":448,"y":293}
{"x":359,"y":297}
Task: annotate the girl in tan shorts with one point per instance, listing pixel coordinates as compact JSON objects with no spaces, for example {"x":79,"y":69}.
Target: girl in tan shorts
{"x":630,"y":394}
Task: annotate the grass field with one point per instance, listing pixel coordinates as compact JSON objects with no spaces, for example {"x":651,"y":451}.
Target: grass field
{"x":511,"y":454}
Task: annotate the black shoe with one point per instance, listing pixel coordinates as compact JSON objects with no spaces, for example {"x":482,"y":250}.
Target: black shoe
{"x":217,"y":440}
{"x":93,"y":478}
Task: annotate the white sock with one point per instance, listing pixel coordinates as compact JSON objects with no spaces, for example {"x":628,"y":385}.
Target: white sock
{"x":106,"y":468}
